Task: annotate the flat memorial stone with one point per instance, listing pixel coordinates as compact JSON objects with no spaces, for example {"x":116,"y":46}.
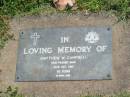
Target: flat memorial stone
{"x":66,"y":53}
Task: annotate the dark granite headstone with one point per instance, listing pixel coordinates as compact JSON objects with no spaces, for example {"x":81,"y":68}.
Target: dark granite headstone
{"x":76,"y":53}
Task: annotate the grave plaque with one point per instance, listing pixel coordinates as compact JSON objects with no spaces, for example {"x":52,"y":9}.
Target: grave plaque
{"x":66,"y":53}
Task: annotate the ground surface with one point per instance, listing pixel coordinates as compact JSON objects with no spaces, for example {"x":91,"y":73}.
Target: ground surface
{"x":121,"y":57}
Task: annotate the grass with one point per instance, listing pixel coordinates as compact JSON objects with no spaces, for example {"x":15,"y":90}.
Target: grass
{"x":11,"y":8}
{"x":121,"y":8}
{"x":16,"y":7}
{"x":13,"y":92}
{"x":91,"y":5}
{"x":4,"y":34}
{"x":121,"y":94}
